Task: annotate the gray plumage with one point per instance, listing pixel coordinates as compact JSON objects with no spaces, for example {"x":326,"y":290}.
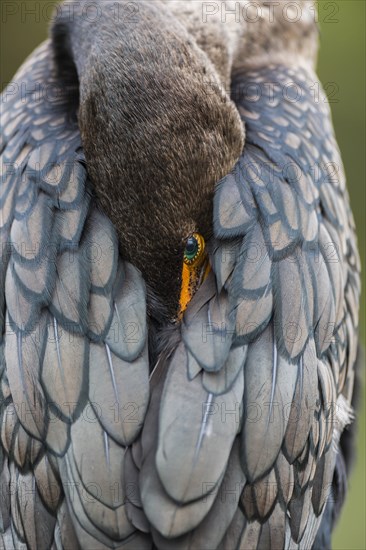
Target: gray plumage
{"x":121,"y":425}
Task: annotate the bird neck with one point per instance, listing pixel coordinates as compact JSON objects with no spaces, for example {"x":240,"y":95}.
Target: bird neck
{"x":157,"y":127}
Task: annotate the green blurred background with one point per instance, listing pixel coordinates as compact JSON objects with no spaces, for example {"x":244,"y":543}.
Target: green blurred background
{"x":342,"y":71}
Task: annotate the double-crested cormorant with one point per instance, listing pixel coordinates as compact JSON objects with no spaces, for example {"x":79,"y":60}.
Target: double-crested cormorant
{"x":179,"y":283}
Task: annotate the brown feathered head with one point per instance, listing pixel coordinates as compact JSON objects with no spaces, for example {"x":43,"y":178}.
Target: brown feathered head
{"x":158,"y":131}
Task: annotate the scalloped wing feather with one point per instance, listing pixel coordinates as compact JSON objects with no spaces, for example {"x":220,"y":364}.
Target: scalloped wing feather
{"x":272,"y":330}
{"x":76,"y":387}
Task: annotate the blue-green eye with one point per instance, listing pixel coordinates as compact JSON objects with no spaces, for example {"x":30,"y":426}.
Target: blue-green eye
{"x":194,"y":249}
{"x":191,"y":249}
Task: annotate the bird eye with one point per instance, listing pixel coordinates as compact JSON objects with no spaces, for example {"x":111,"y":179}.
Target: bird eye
{"x":194,"y":248}
{"x":194,"y":270}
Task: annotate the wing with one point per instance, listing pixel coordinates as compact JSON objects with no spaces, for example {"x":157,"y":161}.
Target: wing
{"x":74,"y":366}
{"x":240,"y":437}
{"x":246,"y":425}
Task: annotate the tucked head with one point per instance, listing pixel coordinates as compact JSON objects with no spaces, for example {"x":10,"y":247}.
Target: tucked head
{"x":158,"y":132}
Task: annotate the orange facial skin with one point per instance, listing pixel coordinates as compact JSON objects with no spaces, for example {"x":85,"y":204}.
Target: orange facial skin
{"x":194,"y":272}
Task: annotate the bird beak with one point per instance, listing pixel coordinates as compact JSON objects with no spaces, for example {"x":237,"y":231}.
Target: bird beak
{"x":192,"y":278}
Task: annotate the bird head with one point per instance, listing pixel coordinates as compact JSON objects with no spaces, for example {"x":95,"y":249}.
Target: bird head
{"x":158,"y":131}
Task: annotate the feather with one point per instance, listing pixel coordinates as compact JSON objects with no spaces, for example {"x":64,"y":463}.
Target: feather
{"x":11,"y":540}
{"x":309,"y":292}
{"x":137,"y":541}
{"x":167,"y":516}
{"x":247,"y":502}
{"x":36,"y":280}
{"x":121,"y":400}
{"x":269,"y":385}
{"x":252,"y":273}
{"x":250,"y":537}
{"x":202,"y":425}
{"x":223,"y":260}
{"x":100,"y":241}
{"x":323,"y":432}
{"x":332,"y":204}
{"x":234,"y":532}
{"x":5,"y":494}
{"x":208,"y":332}
{"x":149,"y":436}
{"x":303,"y":405}
{"x":136,"y":449}
{"x":214,"y":526}
{"x":25,"y":204}
{"x":280,"y":242}
{"x":231,"y":219}
{"x":131,"y":473}
{"x":5,"y":250}
{"x":252,"y":316}
{"x":30,"y":236}
{"x":64,"y":369}
{"x":37,"y":522}
{"x":304,"y":474}
{"x":265,"y":493}
{"x":352,"y":293}
{"x":290,"y":307}
{"x":4,"y":388}
{"x":351,"y":341}
{"x":138,"y":518}
{"x":264,"y":538}
{"x":323,"y":480}
{"x":287,"y":203}
{"x":74,"y":192}
{"x":70,"y":225}
{"x":100,"y":312}
{"x":48,"y":484}
{"x":309,"y":223}
{"x":9,"y":427}
{"x":329,"y":397}
{"x":45,"y":170}
{"x":23,"y":313}
{"x":207,"y":291}
{"x":23,"y":356}
{"x":170,"y":518}
{"x":70,"y":296}
{"x":300,"y":509}
{"x":7,"y":204}
{"x":221,"y":382}
{"x":64,"y":531}
{"x":324,"y":305}
{"x":134,"y":509}
{"x":285,"y":477}
{"x":87,"y":533}
{"x":103,"y":502}
{"x":21,"y":447}
{"x":193,"y":367}
{"x":331,"y":251}
{"x":314,"y":436}
{"x":265,"y":202}
{"x":276,"y":528}
{"x":127,"y":334}
{"x":58,"y":433}
{"x":16,"y":518}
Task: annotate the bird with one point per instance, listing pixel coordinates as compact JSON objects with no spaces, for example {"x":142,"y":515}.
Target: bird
{"x":179,"y":283}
